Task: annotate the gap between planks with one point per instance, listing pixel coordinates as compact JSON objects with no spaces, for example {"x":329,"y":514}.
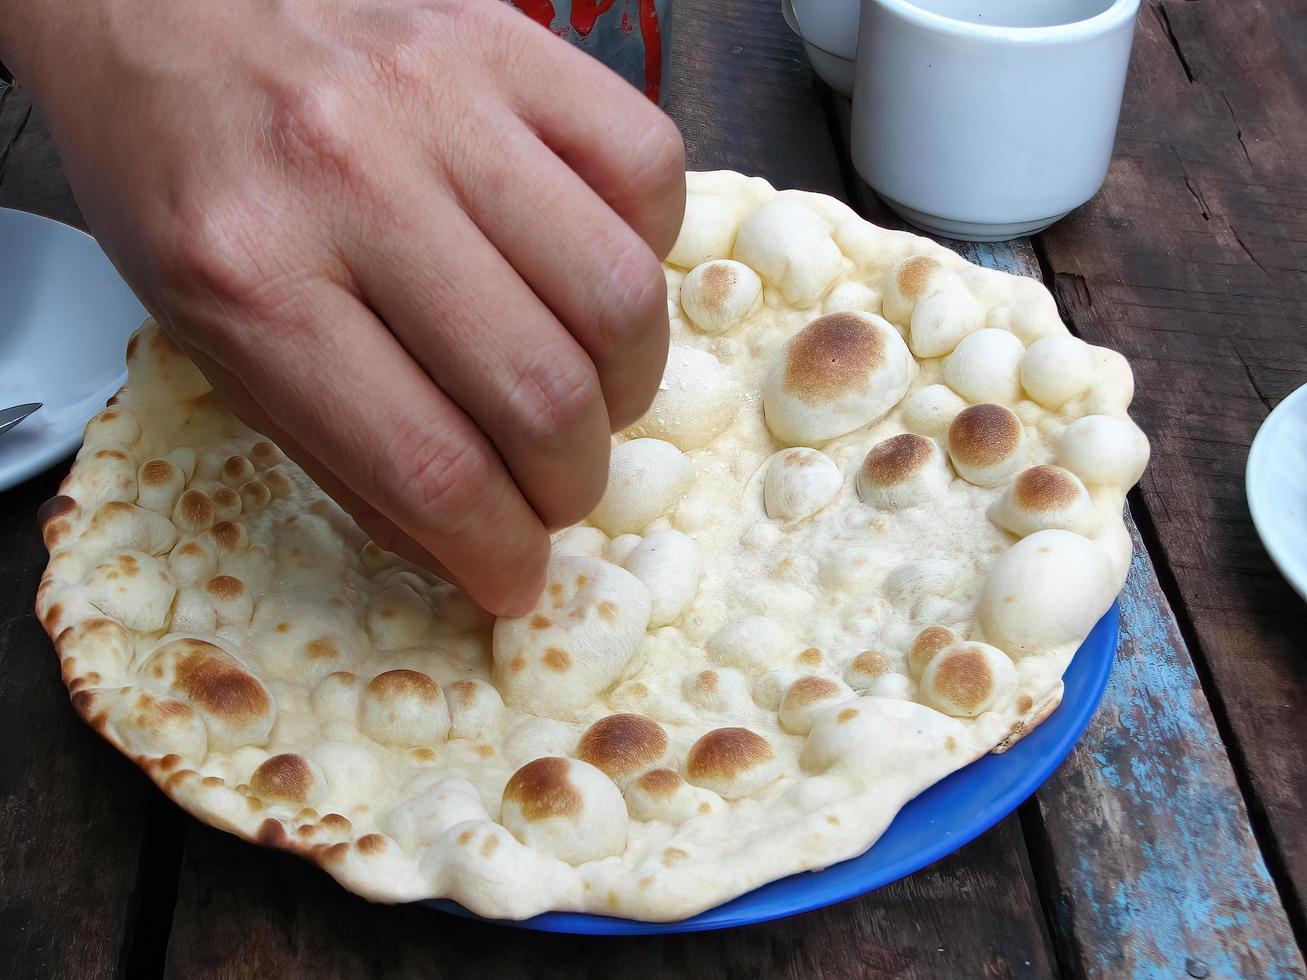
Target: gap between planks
{"x":1152,"y":932}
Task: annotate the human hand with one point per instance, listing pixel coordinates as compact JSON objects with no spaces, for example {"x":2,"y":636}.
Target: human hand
{"x":415,"y":243}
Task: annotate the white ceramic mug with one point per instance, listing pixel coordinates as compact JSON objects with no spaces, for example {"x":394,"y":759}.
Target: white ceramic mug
{"x":988,"y":119}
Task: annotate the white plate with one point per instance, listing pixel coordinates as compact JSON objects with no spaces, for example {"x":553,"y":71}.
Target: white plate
{"x":1277,"y":487}
{"x":65,"y":316}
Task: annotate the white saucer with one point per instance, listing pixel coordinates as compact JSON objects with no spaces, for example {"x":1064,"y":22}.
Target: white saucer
{"x":65,"y":316}
{"x":1277,"y":487}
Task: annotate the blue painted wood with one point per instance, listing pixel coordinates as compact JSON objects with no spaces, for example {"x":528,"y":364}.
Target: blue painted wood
{"x":1147,"y":850}
{"x":1141,"y":842}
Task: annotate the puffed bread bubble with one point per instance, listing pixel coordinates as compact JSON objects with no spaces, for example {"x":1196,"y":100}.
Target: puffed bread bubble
{"x":754,"y":644}
{"x":233,"y":603}
{"x":619,"y":548}
{"x":840,"y":372}
{"x":852,"y":296}
{"x":335,"y":697}
{"x":807,"y":696}
{"x":101,"y":475}
{"x":576,"y":642}
{"x":194,"y":512}
{"x":237,"y":471}
{"x":352,"y":770}
{"x":475,"y":708}
{"x":119,"y":525}
{"x":717,"y":690}
{"x":581,"y":540}
{"x":254,"y":495}
{"x":1027,"y":309}
{"x":226,"y":504}
{"x":1104,"y":450}
{"x":1056,"y":369}
{"x":403,"y":707}
{"x":790,"y":245}
{"x":878,"y":738}
{"x":986,"y":367}
{"x":397,"y":617}
{"x":926,"y":590}
{"x":732,"y":762}
{"x":906,"y":470}
{"x":622,"y":746}
{"x":799,"y":482}
{"x":646,"y":477}
{"x":719,"y":294}
{"x":927,"y":643}
{"x":193,"y":612}
{"x":149,"y":724}
{"x":419,"y":821}
{"x":1113,"y":387}
{"x":912,"y":279}
{"x":1043,"y":497}
{"x":867,"y":667}
{"x":966,"y":679}
{"x":288,"y":778}
{"x":770,"y":687}
{"x":158,"y":484}
{"x":662,"y":795}
{"x":696,"y":400}
{"x":1047,"y":590}
{"x":133,"y":588}
{"x":237,"y":707}
{"x":565,"y":808}
{"x":930,"y":411}
{"x":890,"y":686}
{"x":933,"y":304}
{"x":987,"y":445}
{"x":670,"y":564}
{"x":183,"y":457}
{"x":707,"y":230}
{"x":529,"y":737}
{"x":111,"y":428}
{"x":852,"y":569}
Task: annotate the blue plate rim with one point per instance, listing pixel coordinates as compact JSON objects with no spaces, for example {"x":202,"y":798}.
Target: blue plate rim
{"x":1086,"y":680}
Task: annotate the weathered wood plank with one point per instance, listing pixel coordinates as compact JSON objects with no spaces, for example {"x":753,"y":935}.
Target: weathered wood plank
{"x":1144,"y":840}
{"x":242,"y":912}
{"x":745,"y":99}
{"x":31,"y":176}
{"x":1141,"y":838}
{"x":72,"y":811}
{"x":1192,"y":262}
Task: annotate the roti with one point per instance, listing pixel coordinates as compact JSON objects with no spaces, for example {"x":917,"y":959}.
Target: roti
{"x":873,"y":511}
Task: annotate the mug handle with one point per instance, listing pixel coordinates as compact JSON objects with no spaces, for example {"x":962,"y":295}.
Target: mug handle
{"x":792,"y":21}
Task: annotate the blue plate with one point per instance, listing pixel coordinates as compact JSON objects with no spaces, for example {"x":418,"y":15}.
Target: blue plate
{"x":953,"y":812}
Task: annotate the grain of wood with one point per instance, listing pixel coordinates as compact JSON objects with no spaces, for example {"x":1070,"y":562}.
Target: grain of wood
{"x":1142,"y":842}
{"x":744,"y":98}
{"x":71,"y":809}
{"x":242,"y":912}
{"x":31,"y":176}
{"x":1192,"y":261}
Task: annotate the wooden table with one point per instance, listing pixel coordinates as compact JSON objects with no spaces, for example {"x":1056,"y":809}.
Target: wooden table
{"x":1173,"y":840}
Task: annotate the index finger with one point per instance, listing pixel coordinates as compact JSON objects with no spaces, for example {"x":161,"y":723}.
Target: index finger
{"x":334,"y":378}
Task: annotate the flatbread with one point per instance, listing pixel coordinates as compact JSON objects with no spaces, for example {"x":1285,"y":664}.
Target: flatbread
{"x":873,"y":511}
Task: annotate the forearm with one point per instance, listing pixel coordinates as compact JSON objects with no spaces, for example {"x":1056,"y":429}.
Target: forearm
{"x":37,"y":36}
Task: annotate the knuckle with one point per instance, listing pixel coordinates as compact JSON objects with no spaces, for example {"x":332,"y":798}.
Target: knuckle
{"x":310,"y":131}
{"x":637,"y":281}
{"x":662,"y":150}
{"x":444,"y":478}
{"x":400,"y":60}
{"x":211,"y":254}
{"x":551,"y":399}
